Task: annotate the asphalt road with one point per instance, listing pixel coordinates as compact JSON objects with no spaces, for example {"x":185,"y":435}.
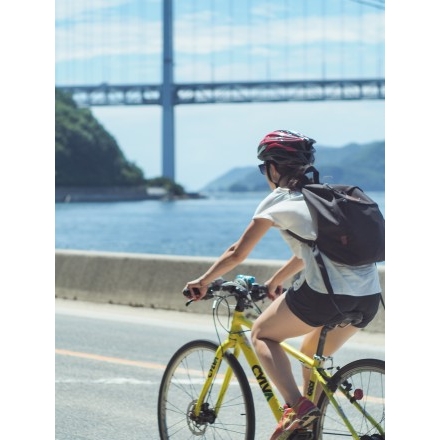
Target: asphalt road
{"x":110,"y":359}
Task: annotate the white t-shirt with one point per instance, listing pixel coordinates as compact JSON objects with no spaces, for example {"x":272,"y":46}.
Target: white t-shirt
{"x":288,"y":210}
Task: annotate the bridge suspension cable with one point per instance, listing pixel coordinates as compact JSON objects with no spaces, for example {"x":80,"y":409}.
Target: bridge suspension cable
{"x":219,"y":52}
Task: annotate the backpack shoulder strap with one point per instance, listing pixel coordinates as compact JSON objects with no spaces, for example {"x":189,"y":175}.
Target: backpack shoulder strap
{"x":318,"y":258}
{"x":323,"y":269}
{"x":311,"y":243}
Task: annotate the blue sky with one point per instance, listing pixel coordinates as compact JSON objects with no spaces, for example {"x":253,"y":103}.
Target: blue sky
{"x":118,"y":41}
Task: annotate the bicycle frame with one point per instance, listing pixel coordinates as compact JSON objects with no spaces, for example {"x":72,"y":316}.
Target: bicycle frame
{"x":238,"y":343}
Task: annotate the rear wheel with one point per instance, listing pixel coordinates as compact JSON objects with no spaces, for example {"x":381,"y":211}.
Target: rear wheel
{"x":364,"y":382}
{"x":180,"y":388}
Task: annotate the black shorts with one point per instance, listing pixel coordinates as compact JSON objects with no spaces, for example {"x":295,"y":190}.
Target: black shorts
{"x":317,"y":309}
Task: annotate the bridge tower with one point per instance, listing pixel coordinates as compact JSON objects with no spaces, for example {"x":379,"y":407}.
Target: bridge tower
{"x":167,"y":95}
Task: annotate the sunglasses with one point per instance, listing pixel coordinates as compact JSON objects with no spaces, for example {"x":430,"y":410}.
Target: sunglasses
{"x":263,"y":169}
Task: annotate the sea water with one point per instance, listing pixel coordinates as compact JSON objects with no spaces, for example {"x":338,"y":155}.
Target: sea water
{"x":195,"y":227}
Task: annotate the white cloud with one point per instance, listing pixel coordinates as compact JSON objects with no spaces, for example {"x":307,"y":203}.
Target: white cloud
{"x":266,"y":34}
{"x":77,"y":10}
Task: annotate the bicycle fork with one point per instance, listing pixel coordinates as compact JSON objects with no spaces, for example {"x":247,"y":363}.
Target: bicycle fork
{"x":213,"y":375}
{"x":238,"y":343}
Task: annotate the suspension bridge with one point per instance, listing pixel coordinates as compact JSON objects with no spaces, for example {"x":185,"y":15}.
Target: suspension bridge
{"x":219,"y":51}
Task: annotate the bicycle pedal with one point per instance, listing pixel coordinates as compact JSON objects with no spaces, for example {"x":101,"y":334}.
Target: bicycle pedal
{"x":301,"y":434}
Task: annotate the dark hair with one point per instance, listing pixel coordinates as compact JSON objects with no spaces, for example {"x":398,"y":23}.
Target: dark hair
{"x":294,"y":177}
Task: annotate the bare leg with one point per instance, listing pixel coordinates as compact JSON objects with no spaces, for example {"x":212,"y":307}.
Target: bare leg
{"x":276,"y":324}
{"x":335,"y":339}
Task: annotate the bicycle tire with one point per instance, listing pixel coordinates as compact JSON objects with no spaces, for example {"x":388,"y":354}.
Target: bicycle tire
{"x":180,"y":387}
{"x":367,"y":375}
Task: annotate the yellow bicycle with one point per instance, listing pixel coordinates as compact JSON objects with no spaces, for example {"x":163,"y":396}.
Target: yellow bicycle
{"x":205,"y":392}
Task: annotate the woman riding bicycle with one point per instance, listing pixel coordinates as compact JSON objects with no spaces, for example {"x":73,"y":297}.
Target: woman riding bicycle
{"x":306,"y":306}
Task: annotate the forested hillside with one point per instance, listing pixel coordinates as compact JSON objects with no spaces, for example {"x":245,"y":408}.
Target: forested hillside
{"x":85,"y":153}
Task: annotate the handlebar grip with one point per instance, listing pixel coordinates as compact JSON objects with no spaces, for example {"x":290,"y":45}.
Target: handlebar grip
{"x":258,"y":292}
{"x":187,"y":292}
{"x":209,"y":294}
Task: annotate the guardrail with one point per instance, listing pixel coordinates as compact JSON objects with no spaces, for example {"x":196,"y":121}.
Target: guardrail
{"x":149,"y":280}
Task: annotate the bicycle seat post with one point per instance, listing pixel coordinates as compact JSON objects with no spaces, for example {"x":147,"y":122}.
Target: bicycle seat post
{"x":321,"y":342}
{"x":349,"y":319}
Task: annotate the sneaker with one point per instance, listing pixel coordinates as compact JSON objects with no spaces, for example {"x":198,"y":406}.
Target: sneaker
{"x":286,"y":420}
{"x":306,"y":412}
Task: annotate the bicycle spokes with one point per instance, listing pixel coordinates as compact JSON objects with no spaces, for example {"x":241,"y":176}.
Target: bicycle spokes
{"x":357,"y":407}
{"x":225,"y":412}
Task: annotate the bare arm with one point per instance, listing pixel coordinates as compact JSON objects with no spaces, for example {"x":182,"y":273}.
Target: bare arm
{"x":275,"y":283}
{"x":232,"y":257}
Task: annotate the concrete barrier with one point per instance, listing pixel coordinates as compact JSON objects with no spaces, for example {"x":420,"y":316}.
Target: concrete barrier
{"x":155,"y":281}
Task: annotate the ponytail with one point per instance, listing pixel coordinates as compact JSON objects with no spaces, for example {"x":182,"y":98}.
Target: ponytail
{"x":294,"y":178}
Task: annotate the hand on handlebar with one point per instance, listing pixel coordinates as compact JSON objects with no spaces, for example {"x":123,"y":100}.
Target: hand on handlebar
{"x":274,"y":290}
{"x":194,"y":290}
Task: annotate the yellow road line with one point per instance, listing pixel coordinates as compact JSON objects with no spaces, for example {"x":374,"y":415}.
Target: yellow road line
{"x":112,"y":360}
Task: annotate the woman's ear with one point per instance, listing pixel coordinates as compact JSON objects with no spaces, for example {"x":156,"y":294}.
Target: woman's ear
{"x":274,"y":174}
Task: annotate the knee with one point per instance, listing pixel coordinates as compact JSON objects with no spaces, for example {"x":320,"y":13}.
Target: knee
{"x":255,"y":334}
{"x":261,"y":335}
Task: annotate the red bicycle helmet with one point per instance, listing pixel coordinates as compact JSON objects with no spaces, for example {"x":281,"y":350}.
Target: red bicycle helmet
{"x":287,"y":148}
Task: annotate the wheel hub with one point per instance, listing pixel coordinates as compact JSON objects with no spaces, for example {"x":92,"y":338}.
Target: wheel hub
{"x":198,"y":424}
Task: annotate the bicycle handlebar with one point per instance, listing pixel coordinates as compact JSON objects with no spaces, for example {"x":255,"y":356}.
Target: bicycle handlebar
{"x":246,"y":293}
{"x":238,"y":288}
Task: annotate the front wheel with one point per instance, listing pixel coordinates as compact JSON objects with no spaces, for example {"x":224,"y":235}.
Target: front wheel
{"x":180,"y":388}
{"x":360,"y":393}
